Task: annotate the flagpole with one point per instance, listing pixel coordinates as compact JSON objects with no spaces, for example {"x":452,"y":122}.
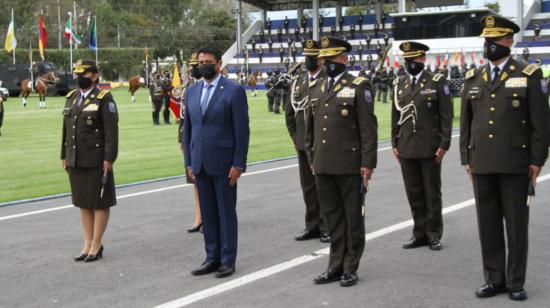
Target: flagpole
{"x":30,"y":68}
{"x":13,"y":50}
{"x":74,"y":17}
{"x":71,"y":42}
{"x":146,"y":66}
{"x":96,"y":45}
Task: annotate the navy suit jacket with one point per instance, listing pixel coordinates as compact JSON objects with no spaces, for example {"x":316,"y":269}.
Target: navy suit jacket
{"x":217,"y":140}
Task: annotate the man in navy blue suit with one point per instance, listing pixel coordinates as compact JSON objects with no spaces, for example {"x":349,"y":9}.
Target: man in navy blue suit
{"x":216,"y":145}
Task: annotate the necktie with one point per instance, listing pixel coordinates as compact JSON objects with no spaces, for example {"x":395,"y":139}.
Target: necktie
{"x":311,"y":79}
{"x":496,"y":70}
{"x":413,"y":82}
{"x":330,"y":84}
{"x":204,"y":101}
{"x":80,"y":99}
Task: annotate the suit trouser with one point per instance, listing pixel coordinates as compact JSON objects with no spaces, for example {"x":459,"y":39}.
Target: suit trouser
{"x":315,"y":217}
{"x":157,"y":105}
{"x":422,"y":178}
{"x":342,"y":200}
{"x":498,"y":197}
{"x":218,"y":202}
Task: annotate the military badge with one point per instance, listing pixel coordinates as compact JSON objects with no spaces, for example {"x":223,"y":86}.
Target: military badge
{"x":490,"y":22}
{"x":406,"y":46}
{"x":544,"y":86}
{"x":89,"y":122}
{"x":309,"y":44}
{"x":325,"y":42}
{"x":368,"y":96}
{"x":112,"y":107}
{"x":515,"y":103}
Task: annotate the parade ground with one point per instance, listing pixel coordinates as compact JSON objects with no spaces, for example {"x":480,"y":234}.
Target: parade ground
{"x":31,"y":143}
{"x":149,"y":256}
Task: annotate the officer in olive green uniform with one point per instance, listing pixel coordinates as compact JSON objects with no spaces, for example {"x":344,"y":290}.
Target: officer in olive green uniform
{"x":295,"y":113}
{"x":195,"y":76}
{"x":421,"y":134}
{"x":90,"y":141}
{"x":503,"y":145}
{"x":341,"y":139}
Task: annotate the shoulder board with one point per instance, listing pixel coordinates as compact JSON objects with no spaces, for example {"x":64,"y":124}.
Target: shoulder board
{"x":471,"y":73}
{"x":530,"y":69}
{"x":102,"y":94}
{"x":396,"y":81}
{"x":358,"y":80}
{"x":70,"y":93}
{"x":437,"y":77}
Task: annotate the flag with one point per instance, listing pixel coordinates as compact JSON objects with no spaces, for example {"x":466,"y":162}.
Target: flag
{"x":472,"y":57}
{"x":42,"y":37}
{"x":481,"y":60}
{"x":388,"y":61}
{"x":93,"y":36}
{"x":437,"y":61}
{"x":175,"y":106}
{"x":11,"y":42}
{"x":446,"y":60}
{"x":146,"y":53}
{"x":395,"y":61}
{"x":70,"y":34}
{"x":462,"y":58}
{"x":455,"y":57}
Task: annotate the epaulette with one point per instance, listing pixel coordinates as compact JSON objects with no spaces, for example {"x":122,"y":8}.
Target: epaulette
{"x":358,"y":80}
{"x":530,"y":69}
{"x":70,"y":93}
{"x":437,"y":77}
{"x":102,"y":94}
{"x":396,"y":81}
{"x":469,"y":74}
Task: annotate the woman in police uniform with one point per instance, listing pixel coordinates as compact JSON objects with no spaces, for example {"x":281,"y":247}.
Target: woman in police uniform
{"x":89,"y":149}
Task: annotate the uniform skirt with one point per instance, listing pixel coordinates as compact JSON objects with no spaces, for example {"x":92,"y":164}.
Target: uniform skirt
{"x":86,"y":188}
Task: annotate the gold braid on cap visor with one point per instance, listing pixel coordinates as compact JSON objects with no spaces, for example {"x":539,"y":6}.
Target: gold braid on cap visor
{"x":330,"y":52}
{"x":310,"y":52}
{"x":496,"y":32}
{"x":414,"y":54}
{"x":80,"y":69}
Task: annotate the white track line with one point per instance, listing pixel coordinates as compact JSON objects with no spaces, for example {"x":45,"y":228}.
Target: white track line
{"x":270,"y":271}
{"x":146,"y":192}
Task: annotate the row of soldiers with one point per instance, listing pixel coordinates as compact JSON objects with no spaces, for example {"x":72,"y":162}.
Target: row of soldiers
{"x":504,"y":140}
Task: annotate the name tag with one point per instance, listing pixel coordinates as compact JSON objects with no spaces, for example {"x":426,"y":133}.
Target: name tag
{"x":427,"y":91}
{"x":346,"y":92}
{"x":517,"y":82}
{"x":92,"y":107}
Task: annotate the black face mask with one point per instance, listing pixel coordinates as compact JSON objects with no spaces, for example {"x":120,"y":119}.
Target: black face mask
{"x":208,"y":71}
{"x":195,"y":72}
{"x":494,"y":51}
{"x":334,"y":69}
{"x":413,"y":68}
{"x":311,"y":63}
{"x":83,"y":82}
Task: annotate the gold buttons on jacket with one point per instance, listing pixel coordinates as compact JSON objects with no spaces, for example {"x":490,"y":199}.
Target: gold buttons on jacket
{"x":491,"y":122}
{"x":493,"y":95}
{"x":491,"y":136}
{"x":324,"y":129}
{"x":324,"y":141}
{"x":515,"y":103}
{"x":492,"y":109}
{"x":326,"y":105}
{"x":345,"y":112}
{"x":326,"y":117}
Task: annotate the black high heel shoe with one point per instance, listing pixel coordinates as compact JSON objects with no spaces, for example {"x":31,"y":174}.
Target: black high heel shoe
{"x":93,"y":258}
{"x":194,"y":229}
{"x":81,"y":257}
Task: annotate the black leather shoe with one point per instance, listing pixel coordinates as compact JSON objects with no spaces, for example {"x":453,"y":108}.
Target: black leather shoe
{"x":196,"y":228}
{"x":308,"y":234}
{"x":328,"y":277}
{"x":436,"y":245}
{"x":82,"y":257}
{"x":206,"y":268}
{"x":491,"y":289}
{"x":348,"y":279}
{"x":225,"y":271}
{"x":517,"y":294}
{"x":415,"y":243}
{"x":93,"y":258}
{"x":325,"y":237}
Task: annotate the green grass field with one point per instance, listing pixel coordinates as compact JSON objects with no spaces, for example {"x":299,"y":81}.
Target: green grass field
{"x":31,"y":141}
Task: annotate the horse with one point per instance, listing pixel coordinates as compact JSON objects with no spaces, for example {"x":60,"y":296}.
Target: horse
{"x":42,"y":83}
{"x":134,"y":84}
{"x":253,"y":80}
